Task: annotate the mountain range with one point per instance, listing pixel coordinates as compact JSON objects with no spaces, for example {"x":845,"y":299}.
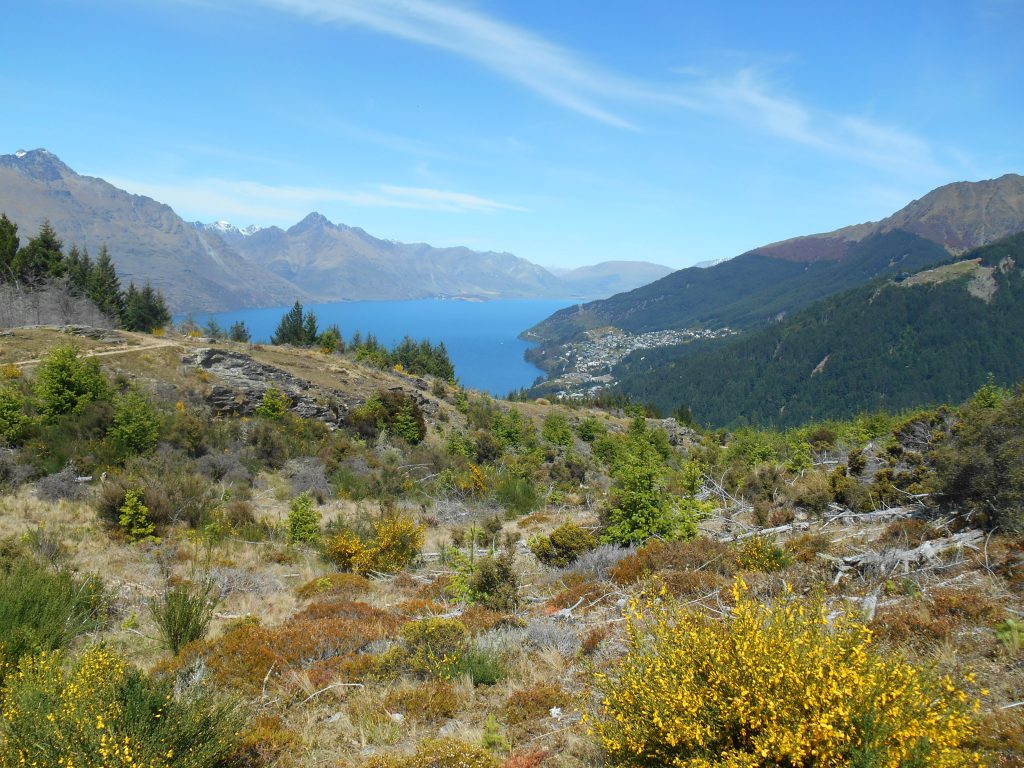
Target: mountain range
{"x":767,"y":283}
{"x":893,"y":344}
{"x":209,"y":267}
{"x":912,"y":310}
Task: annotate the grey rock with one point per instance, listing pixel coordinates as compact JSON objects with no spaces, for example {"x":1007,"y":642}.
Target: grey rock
{"x":243,"y":382}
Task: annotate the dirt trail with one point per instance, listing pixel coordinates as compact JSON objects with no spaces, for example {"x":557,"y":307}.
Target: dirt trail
{"x":149,"y":344}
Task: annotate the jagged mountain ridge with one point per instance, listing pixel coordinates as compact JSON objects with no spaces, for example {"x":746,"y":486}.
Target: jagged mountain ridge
{"x":770,"y":282}
{"x":146,"y":239}
{"x":210,"y":267}
{"x":334,"y":261}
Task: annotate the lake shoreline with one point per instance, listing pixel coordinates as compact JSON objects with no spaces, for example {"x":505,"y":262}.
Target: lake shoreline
{"x":482,"y":337}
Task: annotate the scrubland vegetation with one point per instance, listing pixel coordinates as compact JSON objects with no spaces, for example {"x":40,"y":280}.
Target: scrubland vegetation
{"x":443,"y":579}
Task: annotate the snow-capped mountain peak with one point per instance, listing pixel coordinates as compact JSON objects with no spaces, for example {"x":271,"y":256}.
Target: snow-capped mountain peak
{"x":227,"y":228}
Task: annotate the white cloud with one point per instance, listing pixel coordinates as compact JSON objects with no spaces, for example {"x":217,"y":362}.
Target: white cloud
{"x":554,"y":72}
{"x":566,"y":78}
{"x":746,"y":97}
{"x":251,"y":201}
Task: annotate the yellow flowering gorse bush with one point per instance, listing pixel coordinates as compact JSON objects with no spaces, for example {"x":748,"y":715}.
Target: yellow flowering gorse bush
{"x":99,"y":712}
{"x":396,"y":543}
{"x":773,"y":685}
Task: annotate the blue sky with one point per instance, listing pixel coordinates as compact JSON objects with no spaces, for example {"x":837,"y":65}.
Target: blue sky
{"x":566,"y":132}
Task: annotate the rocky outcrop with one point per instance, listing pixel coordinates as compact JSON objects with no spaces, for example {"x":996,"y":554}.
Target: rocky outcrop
{"x":242,"y":382}
{"x":239,"y":383}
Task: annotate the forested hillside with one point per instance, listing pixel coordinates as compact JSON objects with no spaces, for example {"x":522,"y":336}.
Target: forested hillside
{"x":742,"y":292}
{"x":892,"y":345}
{"x":781,"y":278}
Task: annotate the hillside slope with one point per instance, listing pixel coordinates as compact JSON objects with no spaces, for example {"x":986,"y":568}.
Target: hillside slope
{"x":930,"y":338}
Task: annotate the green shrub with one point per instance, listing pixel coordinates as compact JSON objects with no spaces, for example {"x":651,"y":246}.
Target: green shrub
{"x":590,"y":428}
{"x":274,"y":405}
{"x":493,"y":739}
{"x":641,"y":506}
{"x":563,"y":546}
{"x":555,"y":430}
{"x":483,"y":667}
{"x":182,"y":614}
{"x":390,"y":411}
{"x":134,"y":519}
{"x":136,"y":426}
{"x":12,"y":415}
{"x":434,"y":646}
{"x":303,"y":521}
{"x":518,"y":495}
{"x":513,"y":430}
{"x":981,"y":468}
{"x":44,"y":610}
{"x":99,"y":711}
{"x":494,"y":583}
{"x":65,"y":382}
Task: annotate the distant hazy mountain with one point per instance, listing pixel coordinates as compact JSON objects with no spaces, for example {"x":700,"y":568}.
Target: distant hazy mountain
{"x":609,"y":278}
{"x":146,"y":239}
{"x":332,"y":261}
{"x":770,"y":282}
{"x":207,"y":267}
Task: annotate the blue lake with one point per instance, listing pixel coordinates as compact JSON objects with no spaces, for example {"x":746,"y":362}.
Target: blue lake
{"x":480,"y":336}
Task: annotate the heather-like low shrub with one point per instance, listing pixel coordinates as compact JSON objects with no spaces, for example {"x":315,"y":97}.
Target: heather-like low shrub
{"x":336,"y":585}
{"x":772,"y":685}
{"x":694,"y":555}
{"x":534,"y":703}
{"x":326,"y":642}
{"x":438,"y":753}
{"x":427,"y":702}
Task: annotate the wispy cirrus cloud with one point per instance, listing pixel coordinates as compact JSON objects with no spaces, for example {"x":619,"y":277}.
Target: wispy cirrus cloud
{"x":554,"y":72}
{"x":747,"y":97}
{"x":568,"y":79}
{"x":249,"y":201}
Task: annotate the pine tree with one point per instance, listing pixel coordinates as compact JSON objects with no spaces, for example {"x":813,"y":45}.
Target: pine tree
{"x":144,"y":310}
{"x":104,"y":288}
{"x":42,"y":258}
{"x":291,"y":329}
{"x":157,"y":314}
{"x":79,"y":269}
{"x":8,"y":248}
{"x":239,"y":332}
{"x":132,"y":313}
{"x":310,"y":332}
